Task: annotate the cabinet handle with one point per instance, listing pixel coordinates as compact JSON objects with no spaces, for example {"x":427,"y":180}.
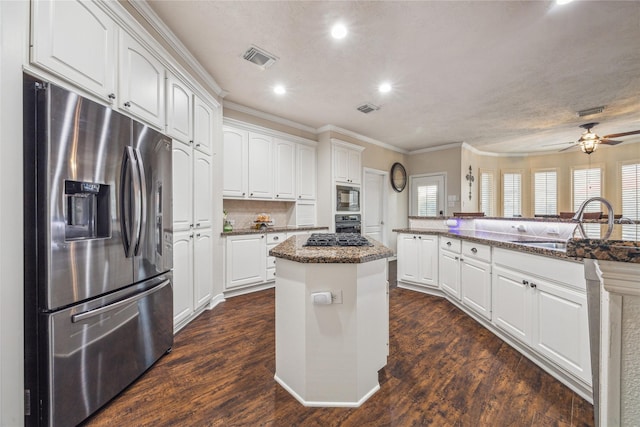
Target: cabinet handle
{"x":474,"y":250}
{"x":244,"y":194}
{"x":127,"y":104}
{"x":533,"y":285}
{"x":190,"y":225}
{"x":191,"y":236}
{"x":191,"y":141}
{"x":197,"y":225}
{"x":525,"y":282}
{"x":111,"y":96}
{"x":457,"y":258}
{"x":198,"y":235}
{"x":277,"y":195}
{"x":299,"y":197}
{"x":251,"y":194}
{"x":262,"y":237}
{"x":461,"y":259}
{"x":197,"y":145}
{"x":449,"y":244}
{"x":420,"y":237}
{"x":275,"y":238}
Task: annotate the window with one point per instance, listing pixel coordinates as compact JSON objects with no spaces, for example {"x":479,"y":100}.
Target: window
{"x":427,"y":195}
{"x":511,"y":194}
{"x":587,"y":183}
{"x":487,"y":191}
{"x":428,"y":200}
{"x":630,"y":185}
{"x":545,"y":192}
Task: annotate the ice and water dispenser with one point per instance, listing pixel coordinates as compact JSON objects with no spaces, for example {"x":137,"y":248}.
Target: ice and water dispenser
{"x":87,"y":210}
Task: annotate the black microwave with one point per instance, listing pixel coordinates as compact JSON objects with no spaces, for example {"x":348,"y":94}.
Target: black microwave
{"x":347,"y":199}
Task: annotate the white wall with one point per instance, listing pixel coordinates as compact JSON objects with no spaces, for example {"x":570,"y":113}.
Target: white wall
{"x":14,"y":25}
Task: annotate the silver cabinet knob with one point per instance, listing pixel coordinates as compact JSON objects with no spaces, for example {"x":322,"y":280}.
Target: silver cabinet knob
{"x":111,"y":96}
{"x":127,"y":104}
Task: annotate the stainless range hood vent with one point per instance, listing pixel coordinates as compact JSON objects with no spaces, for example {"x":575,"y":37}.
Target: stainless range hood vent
{"x":590,"y":111}
{"x":260,"y":57}
{"x":367,"y":108}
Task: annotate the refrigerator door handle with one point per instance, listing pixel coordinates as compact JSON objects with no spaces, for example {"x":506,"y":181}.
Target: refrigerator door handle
{"x":98,"y":311}
{"x":142,"y":200}
{"x":135,"y":199}
{"x":126,"y":176}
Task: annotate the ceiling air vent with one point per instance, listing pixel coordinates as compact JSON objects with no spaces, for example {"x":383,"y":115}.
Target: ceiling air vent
{"x":590,"y":111}
{"x":260,"y":57}
{"x":367,"y":108}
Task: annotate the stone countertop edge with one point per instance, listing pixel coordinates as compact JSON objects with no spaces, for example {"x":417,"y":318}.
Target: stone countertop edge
{"x":577,"y":249}
{"x":521,"y":219}
{"x":242,"y":231}
{"x":292,"y":249}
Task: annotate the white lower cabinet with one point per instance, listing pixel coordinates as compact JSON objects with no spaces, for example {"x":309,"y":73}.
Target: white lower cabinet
{"x":545,"y":313}
{"x":449,"y":266}
{"x":192,"y":273}
{"x":418,"y":259}
{"x":475,"y":278}
{"x":246,"y":260}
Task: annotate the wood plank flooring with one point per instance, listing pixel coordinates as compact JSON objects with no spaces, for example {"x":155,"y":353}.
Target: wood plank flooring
{"x":444,"y":370}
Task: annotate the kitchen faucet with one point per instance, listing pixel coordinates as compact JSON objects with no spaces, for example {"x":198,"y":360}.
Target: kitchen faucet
{"x":580,"y":213}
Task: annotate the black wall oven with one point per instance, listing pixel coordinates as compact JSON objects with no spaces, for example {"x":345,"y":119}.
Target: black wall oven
{"x":347,"y":199}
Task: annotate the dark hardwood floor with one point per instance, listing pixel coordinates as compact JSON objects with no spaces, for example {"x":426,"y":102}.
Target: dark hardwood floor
{"x":444,"y":370}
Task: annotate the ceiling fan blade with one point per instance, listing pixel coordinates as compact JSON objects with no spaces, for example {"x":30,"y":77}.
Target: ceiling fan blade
{"x":558,"y":143}
{"x":618,"y":135}
{"x":568,"y":148}
{"x":610,"y":142}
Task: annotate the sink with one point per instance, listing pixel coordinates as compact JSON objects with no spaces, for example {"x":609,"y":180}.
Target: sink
{"x":544,"y":244}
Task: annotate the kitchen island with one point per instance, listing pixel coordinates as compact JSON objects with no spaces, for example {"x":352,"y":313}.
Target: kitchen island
{"x":328,"y":353}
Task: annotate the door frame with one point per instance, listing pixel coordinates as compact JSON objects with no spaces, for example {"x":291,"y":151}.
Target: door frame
{"x":428,"y":175}
{"x":384,"y":195}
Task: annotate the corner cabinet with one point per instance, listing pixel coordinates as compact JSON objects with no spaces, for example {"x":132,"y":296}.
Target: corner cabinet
{"x":418,"y":259}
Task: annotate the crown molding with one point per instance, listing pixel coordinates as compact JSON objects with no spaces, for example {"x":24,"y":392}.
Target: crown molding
{"x":143,"y":8}
{"x":360,"y":137}
{"x":267,"y":116}
{"x":437,"y":148}
{"x":228,"y":121}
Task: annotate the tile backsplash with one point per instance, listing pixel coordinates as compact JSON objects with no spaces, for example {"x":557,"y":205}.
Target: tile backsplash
{"x":243,"y":213}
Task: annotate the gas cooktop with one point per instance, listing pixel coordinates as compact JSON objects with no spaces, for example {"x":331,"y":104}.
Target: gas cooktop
{"x":337,"y":239}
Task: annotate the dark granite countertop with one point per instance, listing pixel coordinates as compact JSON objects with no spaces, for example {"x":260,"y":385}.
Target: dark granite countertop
{"x":241,"y":231}
{"x":605,"y":250}
{"x":293,"y":250}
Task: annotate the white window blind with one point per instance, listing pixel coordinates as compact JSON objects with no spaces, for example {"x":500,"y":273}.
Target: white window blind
{"x":545,"y":192}
{"x":630,"y":183}
{"x":511,"y":194}
{"x":427,"y":200}
{"x":587,"y":183}
{"x":487,"y":193}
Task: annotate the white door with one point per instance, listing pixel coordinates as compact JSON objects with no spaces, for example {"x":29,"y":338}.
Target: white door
{"x":374,"y":205}
{"x":427,"y":195}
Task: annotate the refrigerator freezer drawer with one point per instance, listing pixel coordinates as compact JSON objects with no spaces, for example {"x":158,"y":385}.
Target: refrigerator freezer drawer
{"x":99,"y":348}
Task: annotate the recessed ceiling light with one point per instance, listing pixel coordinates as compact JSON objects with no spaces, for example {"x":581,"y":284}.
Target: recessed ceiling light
{"x":384,"y":87}
{"x":339,"y":31}
{"x":561,"y":2}
{"x":280,"y":90}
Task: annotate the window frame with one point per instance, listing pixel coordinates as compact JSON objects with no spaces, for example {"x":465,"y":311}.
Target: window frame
{"x":494,"y":191}
{"x":504,"y":172}
{"x":533,"y":188}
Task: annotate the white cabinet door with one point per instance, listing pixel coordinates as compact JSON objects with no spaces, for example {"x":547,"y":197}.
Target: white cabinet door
{"x":354,"y":167}
{"x":77,"y":41}
{"x":203,"y":120}
{"x":560,"y":330}
{"x":408,"y":267}
{"x":260,"y":166}
{"x":140,"y":82}
{"x":284,"y":169}
{"x":202,"y":267}
{"x":202,"y":190}
{"x":182,"y":186}
{"x":182,"y":276}
{"x":235,"y":162}
{"x":449,"y":273}
{"x":512,"y":304}
{"x":428,"y":259}
{"x":179,"y":110}
{"x":305,"y":213}
{"x":246,"y":261}
{"x":475,"y":279}
{"x":340,"y":164}
{"x":306,"y":166}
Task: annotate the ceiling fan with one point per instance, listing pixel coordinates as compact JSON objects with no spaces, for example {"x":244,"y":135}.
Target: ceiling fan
{"x":589,"y":141}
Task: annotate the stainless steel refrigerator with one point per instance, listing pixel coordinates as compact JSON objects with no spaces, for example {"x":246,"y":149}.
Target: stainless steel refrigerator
{"x":98,"y":253}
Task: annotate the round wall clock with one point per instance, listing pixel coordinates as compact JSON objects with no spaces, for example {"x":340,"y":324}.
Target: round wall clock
{"x":398,"y":177}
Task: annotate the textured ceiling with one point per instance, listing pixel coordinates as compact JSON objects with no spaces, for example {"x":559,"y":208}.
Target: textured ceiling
{"x":501,"y":76}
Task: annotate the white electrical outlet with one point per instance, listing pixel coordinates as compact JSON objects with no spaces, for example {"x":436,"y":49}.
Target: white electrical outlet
{"x":553,"y":229}
{"x":336,"y":297}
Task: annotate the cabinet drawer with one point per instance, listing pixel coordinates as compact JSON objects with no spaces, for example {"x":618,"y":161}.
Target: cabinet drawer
{"x":271,"y":274}
{"x":477,"y":251}
{"x":449,"y":244}
{"x":275,"y":238}
{"x":271,"y":262}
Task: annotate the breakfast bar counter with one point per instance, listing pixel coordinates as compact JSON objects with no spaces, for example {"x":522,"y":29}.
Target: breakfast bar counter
{"x":332,"y":321}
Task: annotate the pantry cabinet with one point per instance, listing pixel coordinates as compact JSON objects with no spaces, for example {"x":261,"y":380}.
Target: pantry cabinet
{"x":203,"y":267}
{"x":284,"y":169}
{"x":192,"y":188}
{"x":141,"y":85}
{"x":203,"y":125}
{"x":77,"y":41}
{"x":418,"y":259}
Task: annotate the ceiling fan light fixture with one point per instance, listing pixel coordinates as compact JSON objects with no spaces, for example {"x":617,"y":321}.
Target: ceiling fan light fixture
{"x":589,"y":142}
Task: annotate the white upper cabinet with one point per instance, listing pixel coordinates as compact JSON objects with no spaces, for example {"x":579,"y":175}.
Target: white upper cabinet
{"x":306,"y":172}
{"x":182,"y":186}
{"x":202,"y":190}
{"x":284,"y":169}
{"x":179,"y":110}
{"x":260,"y":166}
{"x":347,"y":162}
{"x":140,"y":82}
{"x":202,"y":126}
{"x":77,"y":41}
{"x":235,"y":146}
